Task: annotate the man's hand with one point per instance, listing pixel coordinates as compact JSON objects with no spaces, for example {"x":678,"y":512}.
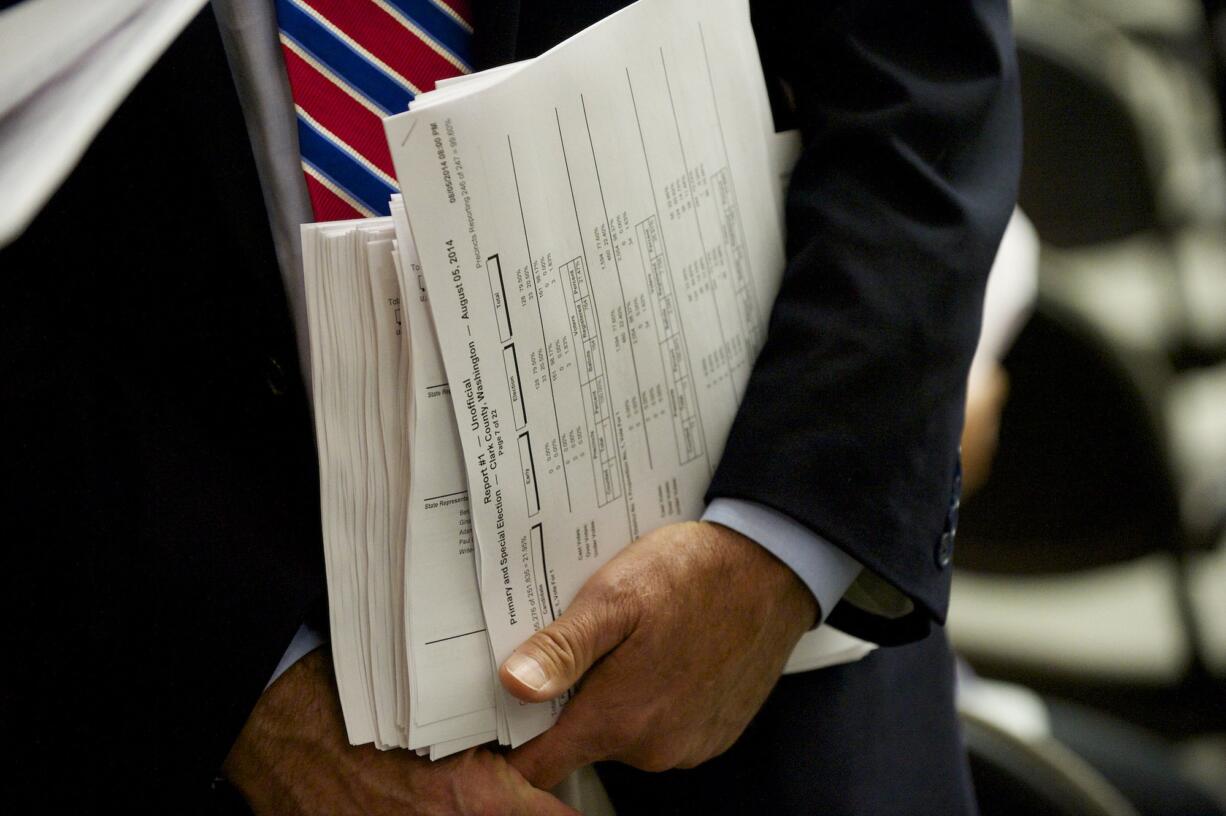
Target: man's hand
{"x":292,"y":758}
{"x":691,"y":625}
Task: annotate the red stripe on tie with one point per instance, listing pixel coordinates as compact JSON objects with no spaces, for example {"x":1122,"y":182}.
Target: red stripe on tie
{"x":464,"y":8}
{"x":328,"y":206}
{"x":337,"y":111}
{"x":383,"y":36}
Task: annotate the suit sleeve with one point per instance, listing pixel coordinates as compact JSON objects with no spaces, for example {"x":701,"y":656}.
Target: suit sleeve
{"x":851,"y":420}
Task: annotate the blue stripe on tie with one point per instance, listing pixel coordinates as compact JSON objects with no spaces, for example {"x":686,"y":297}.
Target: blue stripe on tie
{"x":343,"y":170}
{"x":441,"y":26}
{"x":365,"y":78}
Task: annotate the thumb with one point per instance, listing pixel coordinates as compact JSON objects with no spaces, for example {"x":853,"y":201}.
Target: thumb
{"x":552,"y":660}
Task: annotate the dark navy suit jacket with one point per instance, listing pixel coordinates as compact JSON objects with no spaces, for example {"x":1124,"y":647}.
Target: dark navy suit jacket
{"x":851,"y":420}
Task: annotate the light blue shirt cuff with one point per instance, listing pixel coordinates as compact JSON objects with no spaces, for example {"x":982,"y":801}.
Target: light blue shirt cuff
{"x":825,"y":569}
{"x":306,"y":640}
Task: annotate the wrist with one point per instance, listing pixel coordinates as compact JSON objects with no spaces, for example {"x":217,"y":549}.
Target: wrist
{"x":299,"y":711}
{"x":787,"y":597}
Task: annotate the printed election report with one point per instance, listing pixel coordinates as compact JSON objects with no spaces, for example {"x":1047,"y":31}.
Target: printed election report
{"x":601,"y":246}
{"x":451,"y":674}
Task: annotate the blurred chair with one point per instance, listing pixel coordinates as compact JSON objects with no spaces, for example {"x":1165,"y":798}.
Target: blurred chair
{"x":1078,"y":545}
{"x":1034,"y":755}
{"x":1016,"y":776}
{"x":1074,"y":560}
{"x":1123,"y":177}
{"x":1081,"y":476}
{"x":1150,"y":772}
{"x":1071,"y":555}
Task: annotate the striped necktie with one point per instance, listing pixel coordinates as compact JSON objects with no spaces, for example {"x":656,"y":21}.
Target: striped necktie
{"x":350,"y":63}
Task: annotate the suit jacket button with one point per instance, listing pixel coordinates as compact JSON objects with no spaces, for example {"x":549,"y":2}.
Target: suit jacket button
{"x":945,"y":549}
{"x":274,"y":376}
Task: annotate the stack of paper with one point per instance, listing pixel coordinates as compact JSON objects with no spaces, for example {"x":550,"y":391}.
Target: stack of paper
{"x":360,"y":377}
{"x":600,"y":239}
{"x":450,"y":663}
{"x":412,"y":661}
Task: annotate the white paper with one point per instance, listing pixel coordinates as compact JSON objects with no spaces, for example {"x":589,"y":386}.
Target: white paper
{"x":360,"y":373}
{"x":601,"y":263}
{"x":450,"y":667}
{"x":332,"y":439}
{"x":385,"y":569}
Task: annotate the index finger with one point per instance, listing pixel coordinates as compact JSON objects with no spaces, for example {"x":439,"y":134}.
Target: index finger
{"x":551,"y":757}
{"x":542,"y":803}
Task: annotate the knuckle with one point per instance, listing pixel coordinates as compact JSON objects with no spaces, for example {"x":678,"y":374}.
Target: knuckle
{"x":448,"y":792}
{"x":723,"y":746}
{"x":612,"y":739}
{"x":639,"y":723}
{"x":654,"y":763}
{"x":707,"y":750}
{"x":617,"y":591}
{"x":623,"y":733}
{"x":488,"y":807}
{"x":659,"y":757}
{"x":627,"y":593}
{"x":472,"y":788}
{"x":612,"y":734}
{"x":559,"y":645}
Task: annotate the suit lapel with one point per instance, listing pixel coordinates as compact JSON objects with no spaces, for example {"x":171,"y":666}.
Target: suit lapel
{"x":495,"y":32}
